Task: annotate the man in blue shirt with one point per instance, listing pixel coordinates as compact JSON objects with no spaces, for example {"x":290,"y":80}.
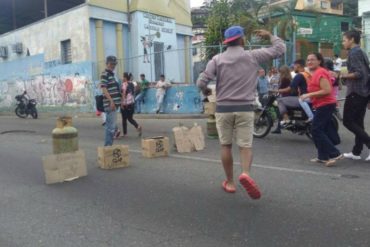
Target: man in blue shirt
{"x":262,"y":86}
{"x":297,"y":87}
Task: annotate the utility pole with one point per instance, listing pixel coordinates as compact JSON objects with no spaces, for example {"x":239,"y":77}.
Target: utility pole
{"x":13,"y":15}
{"x":46,"y":8}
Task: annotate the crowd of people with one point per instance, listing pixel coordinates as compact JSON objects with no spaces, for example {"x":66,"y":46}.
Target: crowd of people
{"x":308,"y":81}
{"x":125,"y":96}
{"x":312,"y":80}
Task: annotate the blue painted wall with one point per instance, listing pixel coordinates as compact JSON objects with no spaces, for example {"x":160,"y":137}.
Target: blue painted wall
{"x":178,"y":100}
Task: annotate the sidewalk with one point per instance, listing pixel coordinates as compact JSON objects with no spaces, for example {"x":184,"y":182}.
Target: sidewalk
{"x":92,"y":115}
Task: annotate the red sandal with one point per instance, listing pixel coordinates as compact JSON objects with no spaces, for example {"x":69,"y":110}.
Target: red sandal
{"x":224,"y":186}
{"x":250,"y":186}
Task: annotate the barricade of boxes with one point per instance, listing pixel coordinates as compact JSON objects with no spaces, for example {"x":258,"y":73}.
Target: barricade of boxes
{"x":67,"y":166}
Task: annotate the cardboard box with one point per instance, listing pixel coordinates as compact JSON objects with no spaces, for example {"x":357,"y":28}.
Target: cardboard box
{"x":155,"y":147}
{"x":182,"y":141}
{"x":115,"y":156}
{"x":188,"y":140}
{"x":196,"y":136}
{"x":210,"y":108}
{"x":64,"y":167}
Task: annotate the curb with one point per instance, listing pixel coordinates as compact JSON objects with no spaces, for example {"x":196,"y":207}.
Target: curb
{"x":92,"y":115}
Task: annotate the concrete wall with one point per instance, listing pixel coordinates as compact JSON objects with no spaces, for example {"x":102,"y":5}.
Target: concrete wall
{"x":179,"y":99}
{"x":56,"y":86}
{"x":59,"y":88}
{"x":44,"y":37}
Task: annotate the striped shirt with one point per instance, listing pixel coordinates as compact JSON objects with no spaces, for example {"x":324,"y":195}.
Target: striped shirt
{"x":109,"y":82}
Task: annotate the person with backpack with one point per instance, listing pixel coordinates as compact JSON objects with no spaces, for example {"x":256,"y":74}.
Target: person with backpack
{"x":128,"y":104}
{"x":358,"y":91}
{"x":111,"y":100}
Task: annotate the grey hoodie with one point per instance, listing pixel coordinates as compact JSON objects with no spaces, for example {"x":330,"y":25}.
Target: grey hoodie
{"x":236,"y":72}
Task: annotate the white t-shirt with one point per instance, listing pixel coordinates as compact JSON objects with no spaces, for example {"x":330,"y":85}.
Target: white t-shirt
{"x":162,"y":86}
{"x":338,"y":64}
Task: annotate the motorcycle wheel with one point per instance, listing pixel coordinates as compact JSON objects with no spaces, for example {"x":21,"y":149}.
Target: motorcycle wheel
{"x":34,"y":113}
{"x":20,"y":113}
{"x":262,"y":124}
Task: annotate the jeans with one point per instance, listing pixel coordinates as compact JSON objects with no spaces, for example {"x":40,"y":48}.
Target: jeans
{"x":110,"y":126}
{"x":353,"y":119}
{"x":138,"y":101}
{"x":305,"y":106}
{"x":324,"y":133}
{"x":128,"y":114}
{"x":160,"y":99}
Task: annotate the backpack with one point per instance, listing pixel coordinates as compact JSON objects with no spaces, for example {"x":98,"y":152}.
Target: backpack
{"x":99,"y":103}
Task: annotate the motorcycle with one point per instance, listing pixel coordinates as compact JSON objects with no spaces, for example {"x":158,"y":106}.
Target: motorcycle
{"x":25,"y":106}
{"x":266,"y":115}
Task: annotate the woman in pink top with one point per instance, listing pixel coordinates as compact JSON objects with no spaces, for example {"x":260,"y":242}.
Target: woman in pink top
{"x":128,"y":104}
{"x":320,"y":91}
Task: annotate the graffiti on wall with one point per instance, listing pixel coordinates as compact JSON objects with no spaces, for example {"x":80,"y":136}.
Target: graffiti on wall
{"x":74,"y":90}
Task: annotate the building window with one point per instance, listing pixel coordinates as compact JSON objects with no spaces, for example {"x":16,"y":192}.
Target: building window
{"x":324,"y":5}
{"x":66,"y":52}
{"x":344,"y":26}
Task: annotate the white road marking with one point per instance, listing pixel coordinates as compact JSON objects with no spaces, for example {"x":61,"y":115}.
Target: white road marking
{"x":283,"y":169}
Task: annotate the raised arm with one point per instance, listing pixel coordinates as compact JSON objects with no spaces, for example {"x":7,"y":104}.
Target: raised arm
{"x":277,"y":49}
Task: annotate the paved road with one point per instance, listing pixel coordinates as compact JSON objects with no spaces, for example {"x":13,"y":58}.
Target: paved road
{"x":177,"y":201}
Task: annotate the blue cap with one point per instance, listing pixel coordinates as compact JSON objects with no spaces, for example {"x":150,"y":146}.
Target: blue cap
{"x":233,"y":33}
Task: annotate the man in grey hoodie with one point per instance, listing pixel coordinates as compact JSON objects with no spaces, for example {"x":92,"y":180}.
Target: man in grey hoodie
{"x":235,"y":71}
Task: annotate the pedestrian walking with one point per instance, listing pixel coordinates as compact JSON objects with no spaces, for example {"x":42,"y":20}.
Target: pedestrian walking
{"x":111,"y":99}
{"x":141,"y":89}
{"x":320,"y":91}
{"x":236,"y":72}
{"x":128,"y":104}
{"x":357,"y":96}
{"x":162,"y":86}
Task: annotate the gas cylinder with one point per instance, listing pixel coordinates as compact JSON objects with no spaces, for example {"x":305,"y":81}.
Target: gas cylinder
{"x":211,"y":127}
{"x":65,"y":136}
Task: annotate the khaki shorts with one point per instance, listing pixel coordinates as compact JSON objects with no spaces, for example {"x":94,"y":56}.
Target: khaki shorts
{"x":240,"y":122}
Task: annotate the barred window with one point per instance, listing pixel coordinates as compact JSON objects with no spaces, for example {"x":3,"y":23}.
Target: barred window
{"x":66,"y":52}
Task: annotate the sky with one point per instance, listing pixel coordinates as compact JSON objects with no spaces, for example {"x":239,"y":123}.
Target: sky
{"x":196,"y":3}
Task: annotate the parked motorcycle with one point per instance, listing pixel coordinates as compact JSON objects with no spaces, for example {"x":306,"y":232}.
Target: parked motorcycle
{"x":25,"y":106}
{"x":266,"y":116}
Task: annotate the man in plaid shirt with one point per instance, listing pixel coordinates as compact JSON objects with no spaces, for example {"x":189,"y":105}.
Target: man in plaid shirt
{"x":358,"y":92}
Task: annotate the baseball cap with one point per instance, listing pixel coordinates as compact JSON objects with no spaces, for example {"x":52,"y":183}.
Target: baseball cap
{"x":233,"y":33}
{"x":111,"y":59}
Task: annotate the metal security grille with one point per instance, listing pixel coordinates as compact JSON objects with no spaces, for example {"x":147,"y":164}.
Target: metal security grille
{"x":66,"y":51}
{"x":158,"y":59}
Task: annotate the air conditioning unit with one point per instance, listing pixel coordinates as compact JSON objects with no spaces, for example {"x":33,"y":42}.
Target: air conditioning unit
{"x":18,"y":48}
{"x":3,"y":51}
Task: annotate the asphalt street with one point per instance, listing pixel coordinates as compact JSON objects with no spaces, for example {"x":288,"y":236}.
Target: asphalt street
{"x":178,"y":200}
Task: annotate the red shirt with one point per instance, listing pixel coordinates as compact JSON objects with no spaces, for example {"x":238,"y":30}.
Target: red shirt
{"x":314,"y":86}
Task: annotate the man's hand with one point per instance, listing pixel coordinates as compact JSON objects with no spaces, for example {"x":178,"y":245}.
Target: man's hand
{"x":112,"y":106}
{"x":207,"y":91}
{"x":263,"y":33}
